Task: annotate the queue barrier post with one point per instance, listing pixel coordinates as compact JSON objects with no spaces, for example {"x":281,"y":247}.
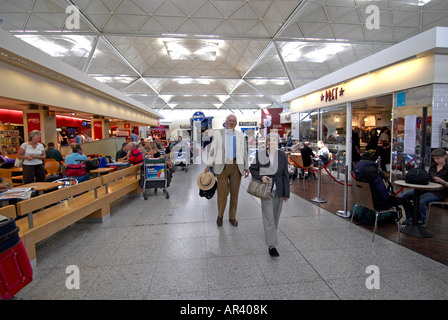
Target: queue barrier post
{"x":318,"y":199}
{"x":345,"y":213}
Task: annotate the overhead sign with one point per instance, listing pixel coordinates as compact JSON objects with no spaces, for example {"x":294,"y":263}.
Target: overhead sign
{"x":332,"y":94}
{"x":248,"y":124}
{"x":198,"y":116}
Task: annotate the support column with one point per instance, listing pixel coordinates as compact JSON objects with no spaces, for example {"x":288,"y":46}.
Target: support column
{"x":40,"y":118}
{"x":100,"y":128}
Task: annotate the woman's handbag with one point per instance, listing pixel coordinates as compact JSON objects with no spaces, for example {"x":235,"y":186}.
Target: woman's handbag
{"x":18,"y":163}
{"x":260,"y":189}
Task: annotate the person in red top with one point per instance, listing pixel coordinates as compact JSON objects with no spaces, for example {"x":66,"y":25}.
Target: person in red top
{"x":136,"y":157}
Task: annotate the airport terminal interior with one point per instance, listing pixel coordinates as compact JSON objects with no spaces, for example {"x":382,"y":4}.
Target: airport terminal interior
{"x":112,"y":79}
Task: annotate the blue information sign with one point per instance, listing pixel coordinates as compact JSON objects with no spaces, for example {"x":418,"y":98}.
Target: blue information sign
{"x":198,"y":116}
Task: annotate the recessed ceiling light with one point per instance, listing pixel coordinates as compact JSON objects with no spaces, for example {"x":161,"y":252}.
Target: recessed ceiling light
{"x":191,"y":49}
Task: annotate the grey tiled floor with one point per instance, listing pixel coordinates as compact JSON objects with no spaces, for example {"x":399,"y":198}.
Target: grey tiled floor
{"x":172,"y":249}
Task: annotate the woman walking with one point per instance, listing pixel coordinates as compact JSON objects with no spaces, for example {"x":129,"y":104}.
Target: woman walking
{"x":272,"y":163}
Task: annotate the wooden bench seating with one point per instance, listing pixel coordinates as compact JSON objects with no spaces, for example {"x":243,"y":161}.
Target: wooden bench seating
{"x":67,"y":206}
{"x":114,"y":186}
{"x":90,"y":199}
{"x":8,"y":211}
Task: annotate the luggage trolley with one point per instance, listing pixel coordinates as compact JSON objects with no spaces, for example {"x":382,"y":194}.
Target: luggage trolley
{"x":181,"y":159}
{"x":155,"y":174}
{"x":181,"y":156}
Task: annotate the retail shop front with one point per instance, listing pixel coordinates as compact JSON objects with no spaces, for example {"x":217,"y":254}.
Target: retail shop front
{"x":399,"y":89}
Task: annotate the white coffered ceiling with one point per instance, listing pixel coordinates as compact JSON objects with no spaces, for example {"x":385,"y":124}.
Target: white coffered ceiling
{"x":212,"y":54}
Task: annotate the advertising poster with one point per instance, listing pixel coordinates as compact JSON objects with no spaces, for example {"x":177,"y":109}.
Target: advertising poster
{"x":98,"y":130}
{"x":33,"y":121}
{"x":156,"y":171}
{"x":410,"y":131}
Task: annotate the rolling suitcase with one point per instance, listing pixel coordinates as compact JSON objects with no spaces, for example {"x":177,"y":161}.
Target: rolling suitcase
{"x":15,"y":268}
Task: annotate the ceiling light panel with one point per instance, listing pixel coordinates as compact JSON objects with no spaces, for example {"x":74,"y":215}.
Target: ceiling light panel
{"x":311,"y":52}
{"x":60,"y":46}
{"x":192,"y":49}
{"x":72,"y":49}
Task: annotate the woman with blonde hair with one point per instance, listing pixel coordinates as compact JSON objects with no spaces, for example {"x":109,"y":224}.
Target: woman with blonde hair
{"x":33,"y":155}
{"x":153,"y":150}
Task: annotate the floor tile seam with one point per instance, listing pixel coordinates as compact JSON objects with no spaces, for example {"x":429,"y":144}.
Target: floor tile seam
{"x":314,"y":269}
{"x":208,"y":260}
{"x":436,"y":279}
{"x":414,"y":266}
{"x":434,"y":275}
{"x":79,"y":244}
{"x":304,"y":282}
{"x":385,"y":282}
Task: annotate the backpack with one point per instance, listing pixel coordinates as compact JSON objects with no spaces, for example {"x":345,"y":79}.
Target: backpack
{"x":102,"y":162}
{"x":383,"y":194}
{"x":92,"y":164}
{"x":417,"y":176}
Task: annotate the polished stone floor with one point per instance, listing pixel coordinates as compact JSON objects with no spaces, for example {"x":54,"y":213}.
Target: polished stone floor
{"x":172,"y":249}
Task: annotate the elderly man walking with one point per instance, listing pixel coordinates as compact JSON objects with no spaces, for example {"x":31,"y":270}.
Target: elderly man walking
{"x":229,"y":158}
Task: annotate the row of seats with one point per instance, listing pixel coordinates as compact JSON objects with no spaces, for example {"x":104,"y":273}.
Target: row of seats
{"x":41,"y":217}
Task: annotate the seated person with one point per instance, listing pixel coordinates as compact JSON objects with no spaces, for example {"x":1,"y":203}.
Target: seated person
{"x":53,"y":153}
{"x":76,"y":157}
{"x":438,"y":172}
{"x":72,"y":146}
{"x":307,"y":154}
{"x":154,"y":152}
{"x":323,"y":153}
{"x":122,"y":154}
{"x":136,"y":156}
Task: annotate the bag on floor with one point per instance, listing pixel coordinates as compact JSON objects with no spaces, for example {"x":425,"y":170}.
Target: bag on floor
{"x":16,"y":271}
{"x":366,"y":216}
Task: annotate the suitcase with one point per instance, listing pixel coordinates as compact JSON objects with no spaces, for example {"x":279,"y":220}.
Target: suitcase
{"x":15,"y":268}
{"x":9,"y":233}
